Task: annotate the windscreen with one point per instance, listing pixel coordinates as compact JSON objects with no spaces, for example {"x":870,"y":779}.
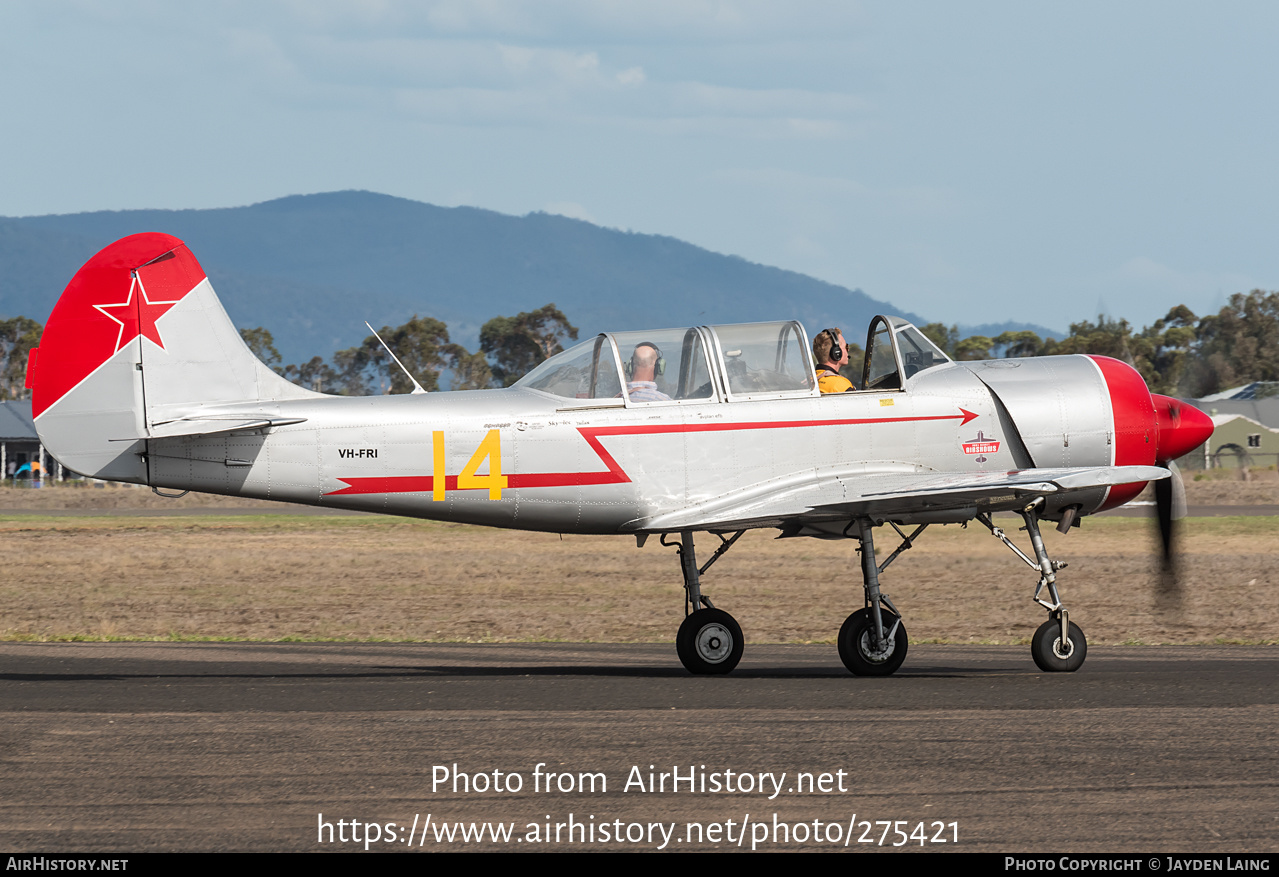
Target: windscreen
{"x":586,"y":371}
{"x":918,"y":353}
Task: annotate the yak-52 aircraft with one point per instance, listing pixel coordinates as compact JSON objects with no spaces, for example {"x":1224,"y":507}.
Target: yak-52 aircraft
{"x":141,"y":377}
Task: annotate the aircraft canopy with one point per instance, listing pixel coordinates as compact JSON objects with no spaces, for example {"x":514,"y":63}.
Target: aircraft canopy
{"x":719,"y":363}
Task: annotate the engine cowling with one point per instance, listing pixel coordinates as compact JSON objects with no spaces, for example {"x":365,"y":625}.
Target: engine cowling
{"x":1074,"y":411}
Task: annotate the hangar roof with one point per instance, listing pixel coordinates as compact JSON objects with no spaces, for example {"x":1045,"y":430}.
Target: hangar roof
{"x":16,"y":423}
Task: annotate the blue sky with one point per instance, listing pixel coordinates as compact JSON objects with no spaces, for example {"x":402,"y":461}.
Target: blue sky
{"x":971,"y":162}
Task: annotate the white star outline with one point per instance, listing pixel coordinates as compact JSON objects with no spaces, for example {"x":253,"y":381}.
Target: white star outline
{"x":135,"y":284}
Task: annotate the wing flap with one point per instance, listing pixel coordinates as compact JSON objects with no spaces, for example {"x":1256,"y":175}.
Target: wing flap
{"x":840,"y":496}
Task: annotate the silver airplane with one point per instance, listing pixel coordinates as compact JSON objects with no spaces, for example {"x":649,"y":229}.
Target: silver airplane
{"x":141,"y":377}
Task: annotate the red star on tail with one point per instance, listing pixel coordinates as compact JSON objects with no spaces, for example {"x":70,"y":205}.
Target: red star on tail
{"x":137,"y":319}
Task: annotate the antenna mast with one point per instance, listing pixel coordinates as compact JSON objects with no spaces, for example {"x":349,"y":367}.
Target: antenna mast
{"x":417,"y":388}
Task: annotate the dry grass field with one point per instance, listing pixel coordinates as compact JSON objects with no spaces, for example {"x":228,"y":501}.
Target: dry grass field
{"x":290,"y":576}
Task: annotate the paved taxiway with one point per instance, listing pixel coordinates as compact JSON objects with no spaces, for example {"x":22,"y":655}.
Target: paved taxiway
{"x":132,"y":747}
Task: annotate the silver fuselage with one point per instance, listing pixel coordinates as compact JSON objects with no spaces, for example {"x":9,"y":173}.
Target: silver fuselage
{"x":600,"y":467}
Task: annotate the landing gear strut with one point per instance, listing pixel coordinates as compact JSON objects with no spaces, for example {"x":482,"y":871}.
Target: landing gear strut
{"x":1058,"y":646}
{"x":709,"y":640}
{"x":873,"y":640}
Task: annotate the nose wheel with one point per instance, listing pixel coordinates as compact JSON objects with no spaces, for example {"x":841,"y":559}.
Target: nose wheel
{"x":1051,"y":654}
{"x":1058,"y":646}
{"x":709,"y":642}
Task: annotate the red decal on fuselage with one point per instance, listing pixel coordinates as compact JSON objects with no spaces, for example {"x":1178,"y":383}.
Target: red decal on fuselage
{"x":981,"y":447}
{"x":614,"y":474}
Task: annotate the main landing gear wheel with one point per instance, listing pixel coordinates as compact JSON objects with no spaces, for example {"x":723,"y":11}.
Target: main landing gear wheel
{"x":709,"y":641}
{"x":858,"y":653}
{"x":1049,"y":653}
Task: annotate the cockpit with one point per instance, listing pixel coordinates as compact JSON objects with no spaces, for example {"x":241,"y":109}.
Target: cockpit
{"x":708,"y":364}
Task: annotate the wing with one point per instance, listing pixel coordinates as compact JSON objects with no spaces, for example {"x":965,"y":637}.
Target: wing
{"x":817,"y":497}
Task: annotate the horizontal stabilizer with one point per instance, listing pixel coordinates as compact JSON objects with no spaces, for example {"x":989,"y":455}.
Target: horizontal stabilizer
{"x":211,"y":425}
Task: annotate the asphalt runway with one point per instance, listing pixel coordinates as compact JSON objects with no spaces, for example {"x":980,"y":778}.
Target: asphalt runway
{"x":206,"y":747}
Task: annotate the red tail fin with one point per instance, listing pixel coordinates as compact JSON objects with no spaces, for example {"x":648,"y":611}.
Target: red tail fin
{"x":138,"y":339}
{"x":117,"y":296}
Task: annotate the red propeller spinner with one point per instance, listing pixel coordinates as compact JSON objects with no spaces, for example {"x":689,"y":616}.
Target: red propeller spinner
{"x":1182,"y":428}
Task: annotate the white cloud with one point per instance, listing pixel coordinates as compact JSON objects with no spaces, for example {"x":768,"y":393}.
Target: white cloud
{"x":631,"y":76}
{"x":699,"y":98}
{"x":615,"y":21}
{"x":530,"y":64}
{"x":803,"y":247}
{"x":925,"y":202}
{"x":454,"y":82}
{"x":788,"y":182}
{"x":1197,"y":289}
{"x":1143,"y":269}
{"x":917,"y":202}
{"x":572,"y":210}
{"x":671,"y":69}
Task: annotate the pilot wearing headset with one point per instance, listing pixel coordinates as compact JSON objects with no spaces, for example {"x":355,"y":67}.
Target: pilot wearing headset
{"x":646,"y":364}
{"x":830,"y":352}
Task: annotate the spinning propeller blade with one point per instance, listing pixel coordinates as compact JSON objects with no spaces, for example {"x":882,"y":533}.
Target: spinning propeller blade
{"x":1180,"y":428}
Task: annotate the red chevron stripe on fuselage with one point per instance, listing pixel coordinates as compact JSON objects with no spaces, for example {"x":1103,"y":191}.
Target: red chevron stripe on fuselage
{"x":614,"y":474}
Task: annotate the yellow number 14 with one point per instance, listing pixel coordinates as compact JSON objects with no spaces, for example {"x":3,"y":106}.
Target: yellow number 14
{"x":490,"y":449}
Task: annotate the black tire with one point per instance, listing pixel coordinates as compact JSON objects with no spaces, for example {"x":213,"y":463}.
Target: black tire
{"x":1046,"y":648}
{"x":854,"y":644}
{"x":709,"y":641}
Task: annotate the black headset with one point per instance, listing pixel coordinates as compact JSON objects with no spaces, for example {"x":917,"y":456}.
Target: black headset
{"x":836,"y":352}
{"x":659,"y":367}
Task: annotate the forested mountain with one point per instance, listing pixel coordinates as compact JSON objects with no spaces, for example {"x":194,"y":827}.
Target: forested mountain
{"x":312,"y":268}
{"x":473,"y":298}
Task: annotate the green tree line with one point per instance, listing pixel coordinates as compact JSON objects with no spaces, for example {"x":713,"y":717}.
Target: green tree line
{"x":1179,"y":355}
{"x":17,"y":337}
{"x":509,"y":348}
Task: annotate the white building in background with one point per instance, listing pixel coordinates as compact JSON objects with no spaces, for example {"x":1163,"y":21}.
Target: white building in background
{"x":21,"y":454}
